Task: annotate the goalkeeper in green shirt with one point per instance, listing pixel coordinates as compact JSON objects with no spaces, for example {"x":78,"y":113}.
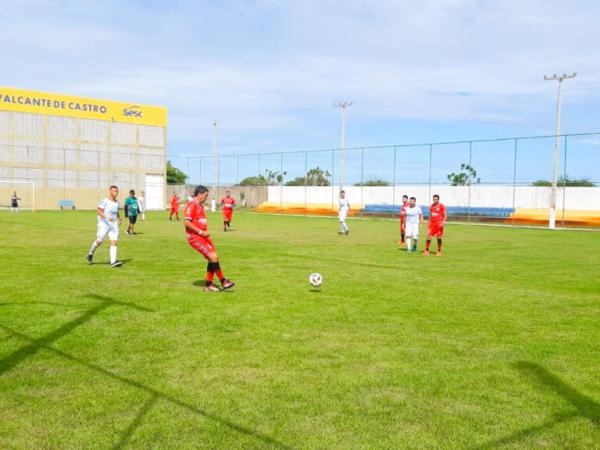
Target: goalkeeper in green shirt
{"x":132,"y":209}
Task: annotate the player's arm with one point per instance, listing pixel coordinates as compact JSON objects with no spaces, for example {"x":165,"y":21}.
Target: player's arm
{"x":445,"y":215}
{"x":100,"y":213}
{"x":190,"y":226}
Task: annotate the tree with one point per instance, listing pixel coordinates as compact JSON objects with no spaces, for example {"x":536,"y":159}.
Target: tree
{"x":271,"y":178}
{"x":375,"y":182}
{"x":174,"y":175}
{"x":566,"y":181}
{"x":314,"y":177}
{"x":466,"y":176}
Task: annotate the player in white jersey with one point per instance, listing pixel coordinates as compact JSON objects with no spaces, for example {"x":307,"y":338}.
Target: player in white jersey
{"x":108,"y":224}
{"x":343,"y":213}
{"x":414,"y":217}
{"x":142,"y":204}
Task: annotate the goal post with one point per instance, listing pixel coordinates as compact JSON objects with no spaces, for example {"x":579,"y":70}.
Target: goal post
{"x":25,"y":194}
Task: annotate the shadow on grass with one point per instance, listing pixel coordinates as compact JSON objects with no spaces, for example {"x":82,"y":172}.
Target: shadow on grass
{"x":106,"y":263}
{"x":583,"y":405}
{"x":46,"y":343}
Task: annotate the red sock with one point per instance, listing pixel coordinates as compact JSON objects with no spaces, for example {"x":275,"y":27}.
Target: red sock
{"x":427,"y":244}
{"x":209,"y":277}
{"x":219,"y":273}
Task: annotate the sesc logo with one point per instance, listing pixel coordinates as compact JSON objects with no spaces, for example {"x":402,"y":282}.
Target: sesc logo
{"x":132,"y":111}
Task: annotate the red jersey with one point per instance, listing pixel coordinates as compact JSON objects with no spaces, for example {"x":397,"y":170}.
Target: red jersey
{"x":227,"y":203}
{"x":195,"y":213}
{"x":403,"y":212}
{"x":437,"y":213}
{"x":174,"y":202}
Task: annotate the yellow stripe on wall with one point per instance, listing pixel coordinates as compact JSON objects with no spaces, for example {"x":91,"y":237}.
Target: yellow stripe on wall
{"x":20,"y":100}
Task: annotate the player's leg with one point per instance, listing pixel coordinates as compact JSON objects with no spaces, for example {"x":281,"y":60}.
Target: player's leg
{"x":428,"y":242}
{"x":439,"y":236}
{"x":113,"y":235}
{"x":101,"y":233}
{"x":402,"y":232}
{"x":214,"y":268}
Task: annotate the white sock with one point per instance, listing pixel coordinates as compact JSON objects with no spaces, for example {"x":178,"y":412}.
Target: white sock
{"x":408,"y":246}
{"x":344,"y":227}
{"x":113,"y":253}
{"x":93,"y":247}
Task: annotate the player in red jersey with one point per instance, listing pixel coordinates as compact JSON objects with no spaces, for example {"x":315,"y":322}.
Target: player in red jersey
{"x":403,"y":219}
{"x":227,"y":205}
{"x":174,"y":206}
{"x":199,"y":238}
{"x":437,"y":219}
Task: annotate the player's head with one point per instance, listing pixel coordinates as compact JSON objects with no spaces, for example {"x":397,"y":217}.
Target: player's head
{"x":404,"y":198}
{"x":143,"y":193}
{"x":132,"y":192}
{"x":436,"y":199}
{"x":227,"y":194}
{"x":413,"y":202}
{"x":114,"y":191}
{"x":342,"y":194}
{"x":200,"y":193}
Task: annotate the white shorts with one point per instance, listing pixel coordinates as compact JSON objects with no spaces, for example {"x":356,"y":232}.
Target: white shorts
{"x":412,"y":230}
{"x":343,"y":215}
{"x":104,"y":228}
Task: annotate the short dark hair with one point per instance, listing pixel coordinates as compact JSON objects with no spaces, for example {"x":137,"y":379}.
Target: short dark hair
{"x":342,"y":191}
{"x":414,"y":198}
{"x":227,"y":192}
{"x":436,"y":196}
{"x":132,"y":192}
{"x":113,"y":186}
{"x":200,"y":190}
{"x":405,"y":196}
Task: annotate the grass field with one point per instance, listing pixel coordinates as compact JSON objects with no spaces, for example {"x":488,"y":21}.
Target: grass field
{"x":496,"y":344}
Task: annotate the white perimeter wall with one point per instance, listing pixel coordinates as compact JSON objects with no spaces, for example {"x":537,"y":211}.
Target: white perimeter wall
{"x":576,"y":198}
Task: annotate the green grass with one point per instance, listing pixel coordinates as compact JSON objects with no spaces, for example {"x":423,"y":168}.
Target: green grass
{"x":497,"y":344}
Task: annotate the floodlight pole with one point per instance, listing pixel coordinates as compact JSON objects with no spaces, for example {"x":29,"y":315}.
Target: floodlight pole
{"x":344,"y":106}
{"x":560,"y":79}
{"x":213,"y":170}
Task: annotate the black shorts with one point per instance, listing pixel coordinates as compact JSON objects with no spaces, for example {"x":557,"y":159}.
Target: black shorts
{"x":132,"y":219}
{"x":14,"y":204}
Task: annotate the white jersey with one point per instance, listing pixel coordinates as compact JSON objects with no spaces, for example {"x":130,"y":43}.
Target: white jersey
{"x":110,"y":210}
{"x":142,"y":204}
{"x":344,"y":205}
{"x":413,"y":214}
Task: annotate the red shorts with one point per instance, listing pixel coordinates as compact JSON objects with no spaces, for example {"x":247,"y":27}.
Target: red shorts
{"x":202,"y":245}
{"x":228,"y":214}
{"x":435,"y":229}
{"x":174,"y":210}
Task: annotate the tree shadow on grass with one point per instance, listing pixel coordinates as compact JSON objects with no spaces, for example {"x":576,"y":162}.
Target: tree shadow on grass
{"x":46,"y":343}
{"x":579,"y":404}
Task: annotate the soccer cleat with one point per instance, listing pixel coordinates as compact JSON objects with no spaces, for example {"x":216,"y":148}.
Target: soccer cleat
{"x":227,"y":284}
{"x":116,"y":264}
{"x":127,"y":232}
{"x":90,"y":258}
{"x":426,"y":253}
{"x":438,"y":254}
{"x":347,"y":232}
{"x":211,"y":288}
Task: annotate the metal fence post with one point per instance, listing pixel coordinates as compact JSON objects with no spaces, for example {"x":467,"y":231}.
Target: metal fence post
{"x":564,"y":184}
{"x":332,"y":179}
{"x":514,"y":183}
{"x":200,"y":170}
{"x":218,"y":175}
{"x":237,"y":174}
{"x":305,"y":182}
{"x":469,"y":186}
{"x":281,"y":183}
{"x":430,"y":161}
{"x":394,"y":181}
{"x":362,"y":180}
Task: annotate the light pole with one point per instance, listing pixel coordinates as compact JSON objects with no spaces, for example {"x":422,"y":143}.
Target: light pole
{"x":559,"y":78}
{"x":344,"y":106}
{"x":213,"y":166}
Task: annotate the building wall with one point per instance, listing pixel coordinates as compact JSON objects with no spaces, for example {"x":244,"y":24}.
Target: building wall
{"x":76,"y":158}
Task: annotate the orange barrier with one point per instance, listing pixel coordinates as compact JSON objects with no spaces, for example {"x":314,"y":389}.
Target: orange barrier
{"x":299,"y":208}
{"x":541,"y":216}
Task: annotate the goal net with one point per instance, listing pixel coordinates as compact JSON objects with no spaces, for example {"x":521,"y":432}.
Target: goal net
{"x":25,"y":194}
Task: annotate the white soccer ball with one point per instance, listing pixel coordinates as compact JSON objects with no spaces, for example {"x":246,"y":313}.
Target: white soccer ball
{"x":315,"y":279}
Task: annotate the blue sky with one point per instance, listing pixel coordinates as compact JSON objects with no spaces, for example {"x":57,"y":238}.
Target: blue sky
{"x":416,"y":71}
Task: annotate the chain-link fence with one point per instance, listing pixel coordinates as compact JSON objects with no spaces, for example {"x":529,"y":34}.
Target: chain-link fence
{"x":501,"y":180}
{"x":77,"y":176}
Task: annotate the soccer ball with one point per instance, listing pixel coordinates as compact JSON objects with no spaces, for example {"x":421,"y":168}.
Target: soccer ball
{"x":315,"y":279}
